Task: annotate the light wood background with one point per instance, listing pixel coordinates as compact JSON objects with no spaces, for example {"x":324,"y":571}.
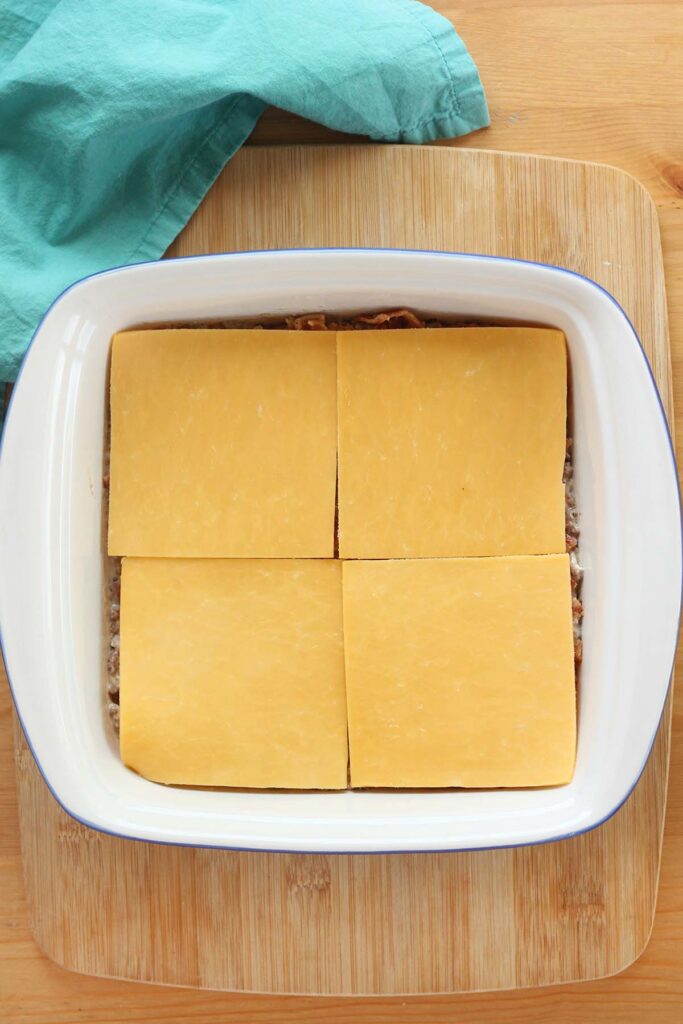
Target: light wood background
{"x":593,"y":81}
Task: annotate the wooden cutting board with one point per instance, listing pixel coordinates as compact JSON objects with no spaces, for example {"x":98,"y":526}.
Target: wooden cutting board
{"x":415,"y":923}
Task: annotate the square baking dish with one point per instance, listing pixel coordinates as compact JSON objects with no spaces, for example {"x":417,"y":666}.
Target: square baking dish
{"x":52,"y":548}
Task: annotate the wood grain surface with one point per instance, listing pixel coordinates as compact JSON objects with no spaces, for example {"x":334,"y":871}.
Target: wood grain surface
{"x":380,"y":924}
{"x":561,"y":109}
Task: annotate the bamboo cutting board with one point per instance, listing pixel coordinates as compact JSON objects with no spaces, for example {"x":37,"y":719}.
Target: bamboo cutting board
{"x":415,"y":923}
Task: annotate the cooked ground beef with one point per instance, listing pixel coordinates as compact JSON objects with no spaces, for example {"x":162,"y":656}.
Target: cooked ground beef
{"x":571,"y":532}
{"x":390,"y":320}
{"x":113,"y":602}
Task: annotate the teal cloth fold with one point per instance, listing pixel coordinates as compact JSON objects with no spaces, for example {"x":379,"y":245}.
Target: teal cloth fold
{"x":117,"y":115}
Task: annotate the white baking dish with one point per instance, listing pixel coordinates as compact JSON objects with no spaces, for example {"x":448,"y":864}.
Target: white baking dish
{"x":51,"y":549}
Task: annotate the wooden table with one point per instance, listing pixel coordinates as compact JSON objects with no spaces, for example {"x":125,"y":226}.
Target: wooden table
{"x":592,"y":80}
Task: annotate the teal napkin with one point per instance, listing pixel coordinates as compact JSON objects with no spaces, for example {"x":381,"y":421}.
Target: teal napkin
{"x":117,"y":115}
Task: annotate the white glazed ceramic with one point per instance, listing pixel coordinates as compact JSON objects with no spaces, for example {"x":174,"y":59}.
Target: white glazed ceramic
{"x":51,"y":562}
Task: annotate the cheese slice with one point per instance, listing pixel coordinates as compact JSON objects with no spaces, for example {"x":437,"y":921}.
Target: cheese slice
{"x":451,"y":442}
{"x":232,"y":672}
{"x":460,"y":672}
{"x":223,"y":443}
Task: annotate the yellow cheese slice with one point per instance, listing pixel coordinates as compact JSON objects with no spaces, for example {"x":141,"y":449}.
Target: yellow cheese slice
{"x":451,"y":442}
{"x":223,"y":443}
{"x":232,"y":672}
{"x":460,"y":672}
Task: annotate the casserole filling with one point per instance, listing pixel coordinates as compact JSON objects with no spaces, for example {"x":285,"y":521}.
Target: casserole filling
{"x":390,"y":320}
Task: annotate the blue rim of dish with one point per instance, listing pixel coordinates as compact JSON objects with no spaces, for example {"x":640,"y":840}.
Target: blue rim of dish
{"x":355,"y":249}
